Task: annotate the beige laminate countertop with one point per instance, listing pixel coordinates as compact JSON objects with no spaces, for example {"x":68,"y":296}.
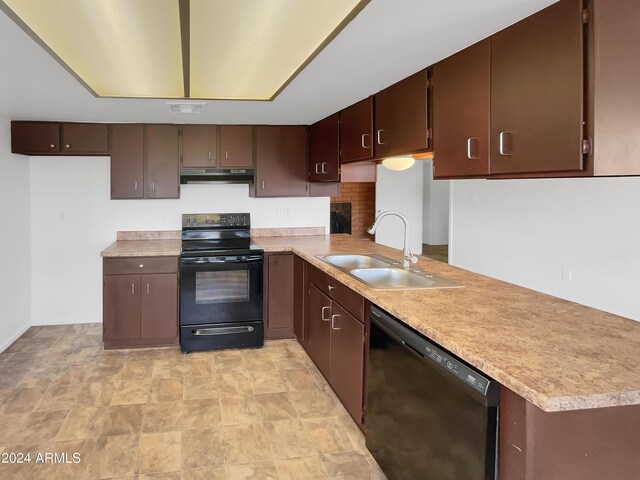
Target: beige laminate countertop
{"x":556,"y":354}
{"x":143,"y":248}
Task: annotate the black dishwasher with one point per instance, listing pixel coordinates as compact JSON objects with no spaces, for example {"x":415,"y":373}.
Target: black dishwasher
{"x":429,"y":415}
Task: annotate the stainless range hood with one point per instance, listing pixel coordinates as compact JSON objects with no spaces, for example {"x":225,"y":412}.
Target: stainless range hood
{"x":216,"y":175}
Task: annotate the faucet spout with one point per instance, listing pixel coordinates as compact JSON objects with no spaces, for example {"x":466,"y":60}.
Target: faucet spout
{"x":407,"y":256}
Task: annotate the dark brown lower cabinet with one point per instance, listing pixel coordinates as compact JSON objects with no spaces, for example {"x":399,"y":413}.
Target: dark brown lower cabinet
{"x":299,"y":300}
{"x":592,"y":444}
{"x":319,"y":330}
{"x":140,"y":302}
{"x":279,"y":304}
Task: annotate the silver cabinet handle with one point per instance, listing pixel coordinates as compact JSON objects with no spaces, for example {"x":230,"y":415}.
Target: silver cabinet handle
{"x":364,"y":135}
{"x":209,"y":154}
{"x":153,"y":186}
{"x":133,"y":289}
{"x":142,"y":265}
{"x":333,"y":318}
{"x":262,"y":185}
{"x":323,"y":165}
{"x":506,"y":144}
{"x":135,"y":185}
{"x":379,"y":135}
{"x":470,"y":150}
{"x":226,"y":154}
{"x":148,"y":289}
{"x":67,"y":146}
{"x":322,"y":314}
{"x":317,"y":168}
{"x":331,"y":287}
{"x":52,"y":146}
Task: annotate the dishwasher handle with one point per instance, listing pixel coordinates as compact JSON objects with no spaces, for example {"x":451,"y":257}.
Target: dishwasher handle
{"x":477,"y":384}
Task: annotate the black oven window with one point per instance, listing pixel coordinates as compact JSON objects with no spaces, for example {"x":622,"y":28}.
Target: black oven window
{"x":222,"y":287}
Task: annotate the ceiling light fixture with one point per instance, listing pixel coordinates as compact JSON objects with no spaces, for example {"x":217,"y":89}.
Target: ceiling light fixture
{"x":202,"y":49}
{"x":187,"y":107}
{"x":398,"y":163}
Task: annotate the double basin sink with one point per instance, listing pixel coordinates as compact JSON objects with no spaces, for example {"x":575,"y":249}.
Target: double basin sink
{"x":380,"y":272}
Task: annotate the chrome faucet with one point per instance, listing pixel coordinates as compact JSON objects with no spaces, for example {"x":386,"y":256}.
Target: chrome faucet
{"x":407,"y":256}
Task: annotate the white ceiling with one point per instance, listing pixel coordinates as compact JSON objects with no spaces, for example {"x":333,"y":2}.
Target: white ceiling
{"x":387,"y":41}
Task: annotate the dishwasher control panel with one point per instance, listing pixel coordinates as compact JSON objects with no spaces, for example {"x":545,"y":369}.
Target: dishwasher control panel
{"x":456,"y":367}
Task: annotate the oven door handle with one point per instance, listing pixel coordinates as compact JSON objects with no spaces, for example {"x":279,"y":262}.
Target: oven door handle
{"x":221,"y":331}
{"x":219,"y":260}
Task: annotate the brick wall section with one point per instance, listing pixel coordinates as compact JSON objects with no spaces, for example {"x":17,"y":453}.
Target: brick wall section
{"x":363,"y":203}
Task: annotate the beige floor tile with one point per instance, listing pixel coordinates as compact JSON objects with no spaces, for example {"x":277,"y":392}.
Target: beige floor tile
{"x":329,"y":434}
{"x":12,"y":423}
{"x":59,"y":397}
{"x":43,"y":375}
{"x":159,"y":452}
{"x":299,"y":379}
{"x":229,"y":364}
{"x":162,"y":417}
{"x":21,"y":400}
{"x":203,"y":448}
{"x":77,"y":455}
{"x":239,"y":410}
{"x":275,"y":406}
{"x":289,"y":439}
{"x":132,"y":391}
{"x":257,"y":360}
{"x":114,"y":456}
{"x":23,"y":470}
{"x":40,"y":427}
{"x":167,"y":368}
{"x":195,"y":364}
{"x":107,"y":372}
{"x":204,"y":413}
{"x":348,"y":465}
{"x":166,"y":389}
{"x":159,"y":476}
{"x":267,"y":381}
{"x":253,"y":471}
{"x":211,"y":473}
{"x":247,"y":443}
{"x":123,"y":419}
{"x":315,"y":403}
{"x":307,"y":468}
{"x":97,"y":394}
{"x":198,"y":387}
{"x":234,"y":383}
{"x":137,"y":370}
{"x":82,"y":423}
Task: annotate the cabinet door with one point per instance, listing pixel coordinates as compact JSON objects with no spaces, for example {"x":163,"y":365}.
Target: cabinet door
{"x":121,"y":304}
{"x":89,"y":138}
{"x":35,"y":138}
{"x":162,"y":176}
{"x":401,"y":117}
{"x":319,"y":330}
{"x":236,"y":146}
{"x":461,"y":102}
{"x":347,"y":360}
{"x":280,"y":298}
{"x":324,"y":150}
{"x":537,"y":92}
{"x":299,"y":300}
{"x":127,"y":161}
{"x":159,"y":306}
{"x":356,"y":131}
{"x":199,"y":145}
{"x":281,"y":161}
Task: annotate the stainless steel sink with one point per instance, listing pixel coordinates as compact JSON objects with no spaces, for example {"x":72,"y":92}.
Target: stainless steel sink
{"x":381,"y":272}
{"x":350,"y":262}
{"x":399,"y":278}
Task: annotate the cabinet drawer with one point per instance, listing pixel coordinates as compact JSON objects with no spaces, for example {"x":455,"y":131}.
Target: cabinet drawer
{"x":131,"y":265}
{"x":343,"y":295}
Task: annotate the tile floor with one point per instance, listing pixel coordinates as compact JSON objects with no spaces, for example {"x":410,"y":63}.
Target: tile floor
{"x":159,"y":414}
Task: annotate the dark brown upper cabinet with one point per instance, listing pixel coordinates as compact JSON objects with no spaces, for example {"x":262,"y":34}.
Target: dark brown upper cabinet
{"x":162,"y":179}
{"x":236,"y":146}
{"x":32,"y":138}
{"x":281,"y":161}
{"x":199,"y":145}
{"x":537,"y":92}
{"x":356,"y":131}
{"x":85,"y":138}
{"x":50,"y":138}
{"x":401,"y":117}
{"x":324,"y":150}
{"x":127,"y":161}
{"x":461,"y":103}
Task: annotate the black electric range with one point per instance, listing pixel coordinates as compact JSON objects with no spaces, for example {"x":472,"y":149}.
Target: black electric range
{"x":221,"y":283}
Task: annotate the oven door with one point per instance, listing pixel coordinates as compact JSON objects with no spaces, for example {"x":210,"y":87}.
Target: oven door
{"x":221,"y":289}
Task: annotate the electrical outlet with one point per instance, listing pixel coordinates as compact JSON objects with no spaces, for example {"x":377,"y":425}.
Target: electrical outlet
{"x":566,"y":275}
{"x":163,"y":217}
{"x":284,"y":213}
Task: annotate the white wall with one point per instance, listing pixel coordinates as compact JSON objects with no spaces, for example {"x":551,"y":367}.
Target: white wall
{"x":435,"y":224}
{"x":529,"y":232}
{"x":402,"y":192}
{"x":14,"y":241}
{"x":72,"y":220}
